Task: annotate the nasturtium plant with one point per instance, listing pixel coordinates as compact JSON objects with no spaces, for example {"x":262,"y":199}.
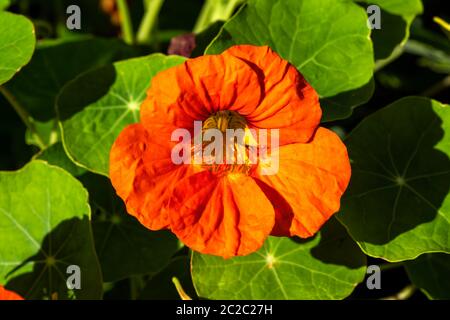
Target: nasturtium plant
{"x":115,"y":177}
{"x":335,"y":59}
{"x":44,"y":229}
{"x":397,"y":206}
{"x":55,"y":63}
{"x":17,"y":41}
{"x":285,"y":269}
{"x":111,"y":99}
{"x":119,"y":237}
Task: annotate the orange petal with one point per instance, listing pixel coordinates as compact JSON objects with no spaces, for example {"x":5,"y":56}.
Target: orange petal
{"x":225,"y":216}
{"x":142,"y":173}
{"x":198,"y":88}
{"x":310,"y":181}
{"x":289,"y":104}
{"x":8,"y":295}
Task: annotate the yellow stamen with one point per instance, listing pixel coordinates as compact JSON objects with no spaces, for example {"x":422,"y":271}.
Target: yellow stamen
{"x":239,"y":162}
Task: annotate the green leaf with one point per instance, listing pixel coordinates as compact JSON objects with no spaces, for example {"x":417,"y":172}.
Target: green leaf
{"x":17,"y":41}
{"x":405,"y":8}
{"x":111,"y":99}
{"x":124,"y":246}
{"x":327,"y":40}
{"x":397,"y":205}
{"x":430,"y":273}
{"x":396,"y":19}
{"x":55,"y":63}
{"x":160,"y":287}
{"x":328,"y":266}
{"x":4,"y":4}
{"x":55,"y":155}
{"x":341,"y":106}
{"x":44,"y":228}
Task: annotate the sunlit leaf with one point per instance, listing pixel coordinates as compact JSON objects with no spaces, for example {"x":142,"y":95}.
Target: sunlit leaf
{"x":111,"y":99}
{"x":17,"y":41}
{"x":44,"y":229}
{"x":329,"y":266}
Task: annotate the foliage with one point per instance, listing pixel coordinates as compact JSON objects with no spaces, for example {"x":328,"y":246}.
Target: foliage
{"x":75,"y":90}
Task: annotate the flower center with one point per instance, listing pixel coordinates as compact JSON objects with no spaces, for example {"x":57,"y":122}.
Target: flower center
{"x":224,"y":120}
{"x":226,"y":140}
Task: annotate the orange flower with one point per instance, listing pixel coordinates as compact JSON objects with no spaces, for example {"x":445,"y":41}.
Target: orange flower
{"x":229,"y":210}
{"x":8,"y":295}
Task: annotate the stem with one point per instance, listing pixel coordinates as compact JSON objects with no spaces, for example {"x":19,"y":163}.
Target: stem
{"x":204,"y":16}
{"x":444,"y":24}
{"x":180,"y":290}
{"x":136,"y":285}
{"x":437,"y":88}
{"x":125,"y":21}
{"x":149,"y":21}
{"x":215,"y":10}
{"x":23,"y":114}
{"x":403,"y":294}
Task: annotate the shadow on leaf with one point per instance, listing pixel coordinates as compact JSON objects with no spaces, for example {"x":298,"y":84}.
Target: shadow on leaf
{"x":45,"y":275}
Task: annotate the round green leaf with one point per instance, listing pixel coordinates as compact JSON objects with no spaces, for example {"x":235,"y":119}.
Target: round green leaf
{"x":328,"y":266}
{"x":44,"y":229}
{"x":110,"y":101}
{"x":17,"y":41}
{"x":397,"y":205}
{"x":430,"y":273}
{"x":124,"y":246}
{"x":56,"y":62}
{"x":327,"y":40}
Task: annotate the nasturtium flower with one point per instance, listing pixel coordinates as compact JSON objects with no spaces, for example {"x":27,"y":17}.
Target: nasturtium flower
{"x":8,"y":295}
{"x":229,"y":210}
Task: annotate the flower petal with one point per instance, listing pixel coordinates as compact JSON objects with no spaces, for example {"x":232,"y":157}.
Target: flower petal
{"x":198,"y":88}
{"x":310,"y":181}
{"x":289,"y":104}
{"x":225,"y":216}
{"x":8,"y":295}
{"x":143,"y":175}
